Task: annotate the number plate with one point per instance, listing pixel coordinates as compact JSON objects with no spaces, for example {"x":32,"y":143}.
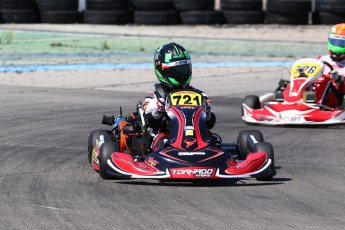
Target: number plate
{"x":310,"y":67}
{"x":186,"y":98}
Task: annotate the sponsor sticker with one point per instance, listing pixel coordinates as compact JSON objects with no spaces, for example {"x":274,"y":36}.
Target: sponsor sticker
{"x":297,"y":119}
{"x":192,"y":172}
{"x":253,"y":139}
{"x":152,"y":161}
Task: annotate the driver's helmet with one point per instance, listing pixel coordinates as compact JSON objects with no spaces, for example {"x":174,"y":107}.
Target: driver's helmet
{"x":336,"y":42}
{"x":173,"y":66}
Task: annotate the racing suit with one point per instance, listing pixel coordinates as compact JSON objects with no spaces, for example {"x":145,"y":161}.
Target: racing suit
{"x":335,"y":91}
{"x":155,"y":114}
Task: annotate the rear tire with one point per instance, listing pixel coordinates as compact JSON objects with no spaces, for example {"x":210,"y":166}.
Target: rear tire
{"x":270,"y":171}
{"x":92,"y":140}
{"x":246,"y":144}
{"x":105,"y":153}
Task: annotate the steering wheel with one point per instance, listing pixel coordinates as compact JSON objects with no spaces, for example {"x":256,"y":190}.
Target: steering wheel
{"x":329,"y":65}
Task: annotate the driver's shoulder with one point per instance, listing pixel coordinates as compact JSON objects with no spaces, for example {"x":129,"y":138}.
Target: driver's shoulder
{"x":195,"y":89}
{"x":326,"y":58}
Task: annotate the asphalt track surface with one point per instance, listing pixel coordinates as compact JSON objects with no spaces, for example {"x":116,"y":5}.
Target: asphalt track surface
{"x":46,"y":181}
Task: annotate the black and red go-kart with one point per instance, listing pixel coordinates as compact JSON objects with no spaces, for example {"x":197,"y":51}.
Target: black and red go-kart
{"x":190,"y":152}
{"x":298,"y":101}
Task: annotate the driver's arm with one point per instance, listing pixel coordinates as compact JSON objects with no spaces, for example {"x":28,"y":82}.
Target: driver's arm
{"x":210,"y":116}
{"x":153,"y":111}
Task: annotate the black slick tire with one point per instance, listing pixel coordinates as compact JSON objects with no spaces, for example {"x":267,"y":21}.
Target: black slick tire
{"x":108,"y":136}
{"x":252,"y":101}
{"x":246,"y":142}
{"x":270,"y":171}
{"x":105,"y":153}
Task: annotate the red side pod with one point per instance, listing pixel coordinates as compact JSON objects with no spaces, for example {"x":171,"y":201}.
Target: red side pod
{"x":125,"y":162}
{"x":178,"y":114}
{"x":200,"y":141}
{"x":253,"y":162}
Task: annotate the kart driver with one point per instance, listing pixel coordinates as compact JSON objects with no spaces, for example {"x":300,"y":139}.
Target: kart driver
{"x":173,"y":68}
{"x":336,"y":57}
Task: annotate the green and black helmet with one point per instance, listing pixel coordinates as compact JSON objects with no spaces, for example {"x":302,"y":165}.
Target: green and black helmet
{"x":173,"y":66}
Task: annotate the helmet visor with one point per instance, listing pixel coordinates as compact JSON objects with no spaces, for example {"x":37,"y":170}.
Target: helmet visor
{"x":337,"y":42}
{"x":175,"y":63}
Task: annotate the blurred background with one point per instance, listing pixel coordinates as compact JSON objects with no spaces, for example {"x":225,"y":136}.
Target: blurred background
{"x":172,"y":12}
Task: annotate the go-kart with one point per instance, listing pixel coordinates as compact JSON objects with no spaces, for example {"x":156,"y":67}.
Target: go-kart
{"x":298,"y":101}
{"x":190,"y":150}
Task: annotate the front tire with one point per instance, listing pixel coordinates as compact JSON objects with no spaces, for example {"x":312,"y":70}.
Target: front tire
{"x":270,"y":171}
{"x":105,"y":153}
{"x":252,"y":101}
{"x":108,"y":136}
{"x":246,"y":142}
